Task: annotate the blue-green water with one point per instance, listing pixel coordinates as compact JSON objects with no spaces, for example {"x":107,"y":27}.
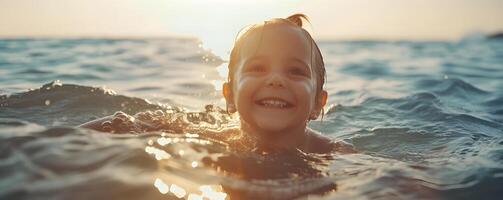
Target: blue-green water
{"x":426,"y":117}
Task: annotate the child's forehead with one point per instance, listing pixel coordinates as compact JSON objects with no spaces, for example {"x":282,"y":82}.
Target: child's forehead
{"x":279,"y":37}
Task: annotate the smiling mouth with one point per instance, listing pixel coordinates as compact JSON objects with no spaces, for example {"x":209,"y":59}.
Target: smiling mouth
{"x":274,"y":103}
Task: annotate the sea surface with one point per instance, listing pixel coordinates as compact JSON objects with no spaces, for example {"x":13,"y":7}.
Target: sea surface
{"x":425,"y":116}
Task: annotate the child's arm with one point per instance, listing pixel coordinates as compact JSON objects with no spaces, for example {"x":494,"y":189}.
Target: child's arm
{"x":343,"y":147}
{"x":96,"y":124}
{"x":119,"y":122}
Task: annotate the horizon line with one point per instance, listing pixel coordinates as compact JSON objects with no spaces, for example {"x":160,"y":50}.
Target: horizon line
{"x":180,"y":36}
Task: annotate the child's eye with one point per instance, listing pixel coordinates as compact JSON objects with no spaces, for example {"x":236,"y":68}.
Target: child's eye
{"x":255,"y":68}
{"x":298,"y":72}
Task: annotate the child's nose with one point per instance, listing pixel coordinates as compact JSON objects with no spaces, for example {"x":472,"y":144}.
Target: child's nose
{"x":275,"y":80}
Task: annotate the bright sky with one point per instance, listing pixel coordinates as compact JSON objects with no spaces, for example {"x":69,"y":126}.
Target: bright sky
{"x":216,"y":22}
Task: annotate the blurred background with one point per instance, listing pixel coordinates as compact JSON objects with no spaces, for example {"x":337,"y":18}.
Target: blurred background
{"x":216,"y":22}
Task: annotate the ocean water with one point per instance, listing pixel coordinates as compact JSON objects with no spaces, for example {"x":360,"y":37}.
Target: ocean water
{"x":425,"y":116}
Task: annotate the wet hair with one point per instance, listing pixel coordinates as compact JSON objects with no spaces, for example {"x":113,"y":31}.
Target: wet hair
{"x":293,"y":20}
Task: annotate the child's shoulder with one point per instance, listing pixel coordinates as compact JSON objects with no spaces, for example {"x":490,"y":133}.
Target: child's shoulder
{"x":318,"y":143}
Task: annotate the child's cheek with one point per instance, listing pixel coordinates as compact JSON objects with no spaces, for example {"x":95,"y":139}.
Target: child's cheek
{"x":306,"y":86}
{"x":244,"y":88}
{"x":248,"y":82}
{"x":306,"y":91}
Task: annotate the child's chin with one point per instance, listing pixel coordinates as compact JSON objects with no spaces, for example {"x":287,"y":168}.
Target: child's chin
{"x":272,"y":126}
{"x":273,"y":121}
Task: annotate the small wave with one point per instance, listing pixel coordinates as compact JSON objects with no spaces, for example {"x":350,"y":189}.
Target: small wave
{"x":419,"y":102}
{"x":368,"y":68}
{"x":424,"y":112}
{"x":79,"y":77}
{"x":33,"y":71}
{"x":96,"y":66}
{"x":37,"y":54}
{"x":451,"y":87}
{"x":146,"y":89}
{"x":74,"y":104}
{"x":495,"y":102}
{"x":478,"y":123}
{"x":346,"y":92}
{"x":497,"y":112}
{"x":397,"y":143}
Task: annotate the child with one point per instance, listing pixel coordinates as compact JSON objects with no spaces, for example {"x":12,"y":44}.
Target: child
{"x":275,"y":83}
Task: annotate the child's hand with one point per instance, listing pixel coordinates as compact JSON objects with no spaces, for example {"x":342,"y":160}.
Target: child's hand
{"x":343,"y":147}
{"x":119,"y":122}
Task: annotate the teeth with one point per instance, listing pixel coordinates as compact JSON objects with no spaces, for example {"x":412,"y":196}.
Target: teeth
{"x":273,"y":103}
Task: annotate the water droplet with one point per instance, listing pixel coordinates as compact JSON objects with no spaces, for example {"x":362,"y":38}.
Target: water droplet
{"x":47,"y":102}
{"x":163,"y":141}
{"x":194,"y":197}
{"x":158,"y":153}
{"x":177,"y":191}
{"x":161,"y":186}
{"x":212,"y":192}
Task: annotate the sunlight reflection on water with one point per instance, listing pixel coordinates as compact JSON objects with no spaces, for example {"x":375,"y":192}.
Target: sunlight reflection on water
{"x":211,"y":192}
{"x":174,"y":186}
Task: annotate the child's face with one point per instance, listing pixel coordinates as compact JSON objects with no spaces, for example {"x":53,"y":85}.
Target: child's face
{"x":274,"y":88}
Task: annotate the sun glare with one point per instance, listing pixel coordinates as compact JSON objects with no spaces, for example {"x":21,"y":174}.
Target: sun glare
{"x":217,"y":22}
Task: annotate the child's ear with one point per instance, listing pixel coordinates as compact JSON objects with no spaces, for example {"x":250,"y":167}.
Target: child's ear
{"x":322,"y":99}
{"x":229,"y":99}
{"x":226,"y":91}
{"x":320,"y":102}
